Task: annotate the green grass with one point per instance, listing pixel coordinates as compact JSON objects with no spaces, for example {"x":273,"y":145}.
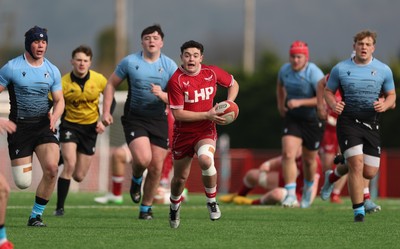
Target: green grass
{"x":90,"y":225}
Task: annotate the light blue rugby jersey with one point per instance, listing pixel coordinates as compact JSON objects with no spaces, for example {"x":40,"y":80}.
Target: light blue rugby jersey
{"x":29,"y":87}
{"x":140,"y":74}
{"x":360,"y":86}
{"x":301,"y":85}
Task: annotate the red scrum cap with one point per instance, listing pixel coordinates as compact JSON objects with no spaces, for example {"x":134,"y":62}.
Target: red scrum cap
{"x":299,"y":47}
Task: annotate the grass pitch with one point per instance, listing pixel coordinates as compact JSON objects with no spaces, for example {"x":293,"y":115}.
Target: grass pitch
{"x":90,"y":225}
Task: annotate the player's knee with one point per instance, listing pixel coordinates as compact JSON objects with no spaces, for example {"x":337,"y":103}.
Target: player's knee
{"x":178,"y":180}
{"x":309,"y":162}
{"x":369,"y":175}
{"x":366,"y":176}
{"x":22,"y":175}
{"x":251,"y":177}
{"x":371,"y":166}
{"x":154,"y":172}
{"x":53,"y":172}
{"x":4,"y":190}
{"x":205,"y":161}
{"x":78,"y":178}
{"x":262,"y":179}
{"x":205,"y":155}
{"x":119,"y":154}
{"x":206,"y":158}
{"x":288,"y":156}
{"x":210,"y":171}
{"x":50,"y":172}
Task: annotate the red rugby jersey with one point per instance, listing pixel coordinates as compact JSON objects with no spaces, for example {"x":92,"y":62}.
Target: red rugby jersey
{"x":196,"y":93}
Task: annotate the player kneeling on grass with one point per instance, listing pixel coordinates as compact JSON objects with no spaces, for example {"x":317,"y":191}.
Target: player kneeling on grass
{"x":191,"y":91}
{"x":269,"y":176}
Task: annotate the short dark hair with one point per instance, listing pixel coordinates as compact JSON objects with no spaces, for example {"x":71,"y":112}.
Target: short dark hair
{"x":83,"y":49}
{"x":363,"y":34}
{"x":192,"y":44}
{"x":152,"y":29}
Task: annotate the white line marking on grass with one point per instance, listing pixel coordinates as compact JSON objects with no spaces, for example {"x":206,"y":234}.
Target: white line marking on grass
{"x":391,"y":205}
{"x":105,"y":206}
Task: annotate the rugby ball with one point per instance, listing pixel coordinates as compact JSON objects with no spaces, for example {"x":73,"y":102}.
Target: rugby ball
{"x":228,"y":110}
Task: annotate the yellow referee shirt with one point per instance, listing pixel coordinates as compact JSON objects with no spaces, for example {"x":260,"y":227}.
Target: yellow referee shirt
{"x":82,"y":106}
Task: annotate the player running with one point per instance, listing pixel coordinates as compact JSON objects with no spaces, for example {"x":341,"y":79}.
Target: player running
{"x":191,"y":91}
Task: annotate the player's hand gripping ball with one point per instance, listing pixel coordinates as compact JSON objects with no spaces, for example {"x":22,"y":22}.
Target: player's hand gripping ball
{"x":228,"y":110}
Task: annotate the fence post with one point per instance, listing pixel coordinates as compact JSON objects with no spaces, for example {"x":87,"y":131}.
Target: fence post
{"x":225,"y":174}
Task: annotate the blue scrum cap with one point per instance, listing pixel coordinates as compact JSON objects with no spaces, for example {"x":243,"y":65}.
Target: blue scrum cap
{"x":34,"y":34}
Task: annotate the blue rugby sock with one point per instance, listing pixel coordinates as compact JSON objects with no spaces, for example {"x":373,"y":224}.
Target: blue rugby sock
{"x":308,"y":185}
{"x":137,"y":180}
{"x":37,"y":210}
{"x":144,"y":209}
{"x":2,"y":232}
{"x":359,"y":209}
{"x":291,"y":188}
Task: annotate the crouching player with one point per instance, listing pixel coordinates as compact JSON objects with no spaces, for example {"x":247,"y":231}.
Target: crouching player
{"x":269,"y":176}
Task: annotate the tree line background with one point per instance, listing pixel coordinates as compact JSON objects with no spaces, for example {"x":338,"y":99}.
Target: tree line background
{"x":259,"y":124}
